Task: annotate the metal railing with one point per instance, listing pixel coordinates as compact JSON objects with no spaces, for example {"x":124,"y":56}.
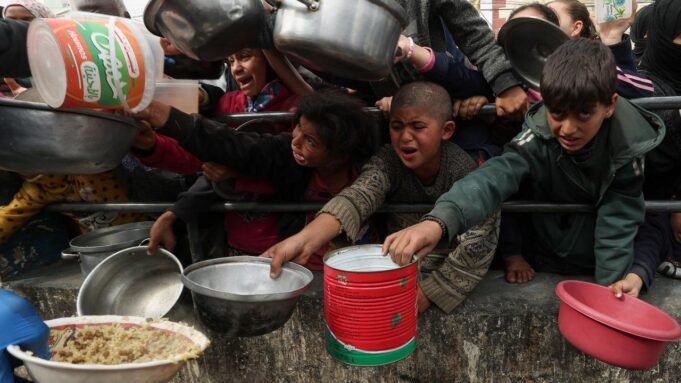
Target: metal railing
{"x":651,"y":103}
{"x":510,"y":207}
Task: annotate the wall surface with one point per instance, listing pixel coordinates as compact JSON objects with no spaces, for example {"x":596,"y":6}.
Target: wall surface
{"x":502,"y":333}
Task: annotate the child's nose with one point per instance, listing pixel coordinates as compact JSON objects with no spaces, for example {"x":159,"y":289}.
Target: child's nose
{"x":569,"y":126}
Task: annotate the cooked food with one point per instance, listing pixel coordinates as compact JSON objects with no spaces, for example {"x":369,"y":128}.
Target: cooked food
{"x":117,"y":343}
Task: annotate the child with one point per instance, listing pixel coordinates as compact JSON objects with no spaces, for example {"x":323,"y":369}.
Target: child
{"x":330,"y":141}
{"x":417,"y":167}
{"x":658,"y":248}
{"x":582,"y":145}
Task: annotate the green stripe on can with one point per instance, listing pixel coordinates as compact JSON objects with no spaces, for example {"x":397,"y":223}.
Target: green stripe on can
{"x":356,"y":357}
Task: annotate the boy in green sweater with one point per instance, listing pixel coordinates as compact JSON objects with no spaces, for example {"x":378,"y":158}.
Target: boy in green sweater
{"x":582,"y":145}
{"x":418,"y":166}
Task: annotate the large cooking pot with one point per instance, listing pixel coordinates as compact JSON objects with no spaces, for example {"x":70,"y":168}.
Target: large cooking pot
{"x":39,"y":139}
{"x":94,"y":247}
{"x":236,"y":295}
{"x":130,"y":282}
{"x":354,"y":39}
{"x":208,"y":30}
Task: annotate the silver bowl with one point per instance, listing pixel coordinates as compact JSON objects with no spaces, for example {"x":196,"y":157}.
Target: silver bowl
{"x":130,"y":282}
{"x":39,"y":139}
{"x":236,"y":296}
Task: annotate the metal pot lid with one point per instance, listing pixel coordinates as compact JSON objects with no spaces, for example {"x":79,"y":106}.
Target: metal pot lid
{"x":112,"y":238}
{"x":246,"y":279}
{"x":528,"y":42}
{"x":150,"y":12}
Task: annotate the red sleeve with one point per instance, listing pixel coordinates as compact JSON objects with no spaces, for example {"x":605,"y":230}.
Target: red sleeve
{"x":169,"y":155}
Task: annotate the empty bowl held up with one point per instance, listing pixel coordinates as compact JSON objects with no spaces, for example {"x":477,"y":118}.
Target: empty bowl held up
{"x":625,"y":332}
{"x":130,"y":282}
{"x":237,"y":296}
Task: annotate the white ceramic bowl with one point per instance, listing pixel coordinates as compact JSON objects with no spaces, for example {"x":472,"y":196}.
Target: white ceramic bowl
{"x":45,"y":371}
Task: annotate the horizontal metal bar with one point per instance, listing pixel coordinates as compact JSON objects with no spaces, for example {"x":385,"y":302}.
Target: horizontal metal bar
{"x":651,"y":103}
{"x":510,"y":207}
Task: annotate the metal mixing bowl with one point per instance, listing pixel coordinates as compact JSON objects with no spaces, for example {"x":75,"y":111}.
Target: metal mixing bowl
{"x":39,"y":139}
{"x":130,"y":282}
{"x":236,"y":296}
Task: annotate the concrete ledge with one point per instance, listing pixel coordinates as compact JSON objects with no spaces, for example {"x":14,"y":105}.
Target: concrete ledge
{"x":502,"y":333}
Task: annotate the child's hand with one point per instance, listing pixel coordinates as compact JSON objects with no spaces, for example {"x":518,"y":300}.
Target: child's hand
{"x":610,"y":32}
{"x":422,"y":300}
{"x":401,"y":49}
{"x":146,"y":138}
{"x":675,"y":221}
{"x":384,"y":105}
{"x":216,"y":172}
{"x":161,"y":233}
{"x":512,"y":103}
{"x":419,"y":240}
{"x":290,"y":249}
{"x":469,"y":108}
{"x":156,"y":114}
{"x":630,"y":285}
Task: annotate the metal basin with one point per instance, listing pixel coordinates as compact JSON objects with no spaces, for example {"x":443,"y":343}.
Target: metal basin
{"x":236,"y":296}
{"x":130,"y":282}
{"x":207,"y":30}
{"x":94,"y":247}
{"x":39,"y":139}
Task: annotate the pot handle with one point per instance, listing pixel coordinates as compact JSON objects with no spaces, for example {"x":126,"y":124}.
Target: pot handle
{"x":69,"y":254}
{"x":145,"y":242}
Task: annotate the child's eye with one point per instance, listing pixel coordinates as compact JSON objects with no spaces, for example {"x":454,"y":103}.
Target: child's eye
{"x":557,"y":115}
{"x":310,"y":141}
{"x":584,"y":115}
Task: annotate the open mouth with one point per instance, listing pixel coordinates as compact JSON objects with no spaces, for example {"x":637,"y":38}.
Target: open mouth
{"x":408,"y":150}
{"x":298,"y":157}
{"x":244,"y":81}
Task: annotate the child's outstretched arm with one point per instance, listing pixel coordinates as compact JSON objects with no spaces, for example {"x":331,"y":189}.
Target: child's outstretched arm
{"x":620,"y":213}
{"x":301,"y":246}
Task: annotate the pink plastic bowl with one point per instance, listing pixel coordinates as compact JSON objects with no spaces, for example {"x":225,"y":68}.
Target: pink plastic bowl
{"x":625,"y":332}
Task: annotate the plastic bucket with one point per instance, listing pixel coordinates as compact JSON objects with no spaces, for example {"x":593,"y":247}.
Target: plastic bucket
{"x":180,"y":94}
{"x":369,"y":306}
{"x":103,"y":63}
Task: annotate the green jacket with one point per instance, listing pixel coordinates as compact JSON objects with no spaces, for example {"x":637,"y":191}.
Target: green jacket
{"x":608,"y":175}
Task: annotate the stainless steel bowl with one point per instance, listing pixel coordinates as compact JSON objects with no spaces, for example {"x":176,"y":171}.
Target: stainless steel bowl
{"x":94,"y":247}
{"x":207,"y":30}
{"x":236,"y":296}
{"x":39,"y":139}
{"x":130,"y":282}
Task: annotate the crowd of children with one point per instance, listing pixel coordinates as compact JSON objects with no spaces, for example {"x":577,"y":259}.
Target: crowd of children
{"x":581,"y":142}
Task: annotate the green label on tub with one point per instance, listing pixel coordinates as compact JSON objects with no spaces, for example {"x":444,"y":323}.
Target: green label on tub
{"x":101,"y":74}
{"x":396,"y":319}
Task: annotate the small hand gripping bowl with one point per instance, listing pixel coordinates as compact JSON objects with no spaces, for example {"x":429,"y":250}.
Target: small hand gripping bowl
{"x":625,"y":332}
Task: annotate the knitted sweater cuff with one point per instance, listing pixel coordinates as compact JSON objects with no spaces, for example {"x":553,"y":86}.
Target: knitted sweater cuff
{"x":504,"y":81}
{"x":345,"y":213}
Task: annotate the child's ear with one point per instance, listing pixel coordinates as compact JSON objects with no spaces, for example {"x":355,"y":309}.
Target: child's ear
{"x":448,"y":130}
{"x":577,"y":28}
{"x":611,"y":107}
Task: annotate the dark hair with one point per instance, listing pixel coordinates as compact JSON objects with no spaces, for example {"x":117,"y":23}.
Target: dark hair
{"x":579,"y":74}
{"x":548,"y":13}
{"x":579,"y":12}
{"x":342,"y":126}
{"x":432,"y":98}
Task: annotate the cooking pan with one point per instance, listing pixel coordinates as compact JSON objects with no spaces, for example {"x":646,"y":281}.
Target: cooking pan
{"x":40,"y":139}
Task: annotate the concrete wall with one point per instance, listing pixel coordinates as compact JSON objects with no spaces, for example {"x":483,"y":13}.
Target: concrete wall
{"x":502,"y":333}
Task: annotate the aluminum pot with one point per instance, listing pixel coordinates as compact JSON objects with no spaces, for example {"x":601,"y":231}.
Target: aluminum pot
{"x":207,"y":30}
{"x":94,"y":247}
{"x":130,"y":282}
{"x":39,"y":139}
{"x":236,"y":296}
{"x":354,"y":39}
